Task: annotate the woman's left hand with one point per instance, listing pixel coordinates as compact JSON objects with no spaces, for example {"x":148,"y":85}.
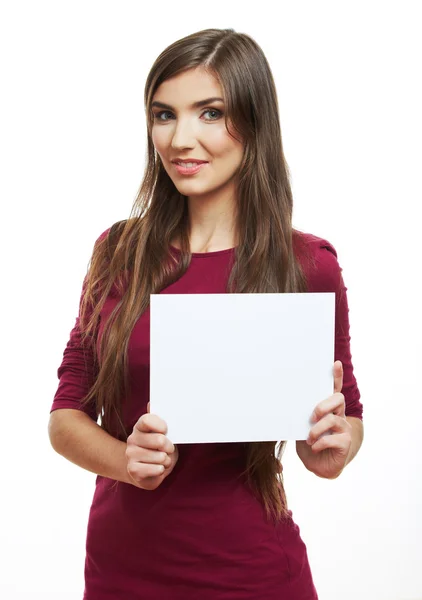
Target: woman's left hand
{"x":326,"y":455}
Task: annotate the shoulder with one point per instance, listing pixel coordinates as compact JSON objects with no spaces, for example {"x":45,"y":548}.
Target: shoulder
{"x":106,"y":243}
{"x":321,"y":264}
{"x":113,"y":231}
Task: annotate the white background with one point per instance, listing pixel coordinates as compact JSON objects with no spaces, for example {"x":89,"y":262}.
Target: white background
{"x":72,"y":158}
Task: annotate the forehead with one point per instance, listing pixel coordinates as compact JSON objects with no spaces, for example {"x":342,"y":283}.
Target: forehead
{"x":188,"y":87}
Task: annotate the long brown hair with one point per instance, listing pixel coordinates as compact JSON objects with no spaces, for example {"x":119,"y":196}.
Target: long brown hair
{"x":135,"y":256}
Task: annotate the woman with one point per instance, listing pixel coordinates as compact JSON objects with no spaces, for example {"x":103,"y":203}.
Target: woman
{"x":213,"y":215}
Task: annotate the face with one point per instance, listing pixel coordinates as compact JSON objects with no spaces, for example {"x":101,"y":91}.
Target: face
{"x":186,"y":128}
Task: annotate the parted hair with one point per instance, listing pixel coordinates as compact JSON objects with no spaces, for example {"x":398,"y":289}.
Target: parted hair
{"x":134,"y":258}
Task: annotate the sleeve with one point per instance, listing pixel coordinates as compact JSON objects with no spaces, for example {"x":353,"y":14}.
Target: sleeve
{"x":76,"y":372}
{"x":330,"y":278}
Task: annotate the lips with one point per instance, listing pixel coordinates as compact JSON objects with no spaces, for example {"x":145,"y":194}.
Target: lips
{"x":189,"y":168}
{"x":188,"y":161}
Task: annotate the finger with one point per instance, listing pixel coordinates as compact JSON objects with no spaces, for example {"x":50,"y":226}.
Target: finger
{"x":334,"y":404}
{"x":152,"y":423}
{"x":140,"y":471}
{"x":155,"y":441}
{"x":339,"y":441}
{"x":145,"y":455}
{"x":338,"y":376}
{"x":329,"y":424}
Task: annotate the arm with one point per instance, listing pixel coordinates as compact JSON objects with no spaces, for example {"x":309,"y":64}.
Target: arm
{"x":327,"y":455}
{"x":357,"y":437}
{"x":74,"y":435}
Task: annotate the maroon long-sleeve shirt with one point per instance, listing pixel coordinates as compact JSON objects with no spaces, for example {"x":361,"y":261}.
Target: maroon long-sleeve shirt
{"x":201,"y":534}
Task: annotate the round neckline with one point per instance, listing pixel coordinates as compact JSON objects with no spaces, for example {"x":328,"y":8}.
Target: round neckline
{"x":205,"y":254}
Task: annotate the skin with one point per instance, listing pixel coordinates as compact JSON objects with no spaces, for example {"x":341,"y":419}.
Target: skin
{"x":151,"y":456}
{"x":188,"y":132}
{"x":332,"y":443}
{"x":327,"y":455}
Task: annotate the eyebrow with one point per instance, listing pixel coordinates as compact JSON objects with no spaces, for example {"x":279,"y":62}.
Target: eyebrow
{"x":198,"y":104}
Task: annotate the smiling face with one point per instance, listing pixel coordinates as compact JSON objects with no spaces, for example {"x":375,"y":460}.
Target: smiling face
{"x":188,"y":125}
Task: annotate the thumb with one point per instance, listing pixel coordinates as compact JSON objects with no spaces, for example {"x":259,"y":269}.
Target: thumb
{"x":338,"y":376}
{"x":148,"y":410}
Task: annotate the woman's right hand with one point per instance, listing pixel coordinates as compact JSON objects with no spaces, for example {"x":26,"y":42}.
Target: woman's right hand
{"x":151,"y":456}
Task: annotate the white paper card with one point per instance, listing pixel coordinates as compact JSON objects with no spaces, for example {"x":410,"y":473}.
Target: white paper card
{"x":240,"y":367}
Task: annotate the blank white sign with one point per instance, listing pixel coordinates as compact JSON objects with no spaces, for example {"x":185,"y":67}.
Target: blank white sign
{"x":240,"y":367}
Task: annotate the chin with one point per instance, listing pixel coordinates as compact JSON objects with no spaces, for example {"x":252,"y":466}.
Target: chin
{"x":191,"y":190}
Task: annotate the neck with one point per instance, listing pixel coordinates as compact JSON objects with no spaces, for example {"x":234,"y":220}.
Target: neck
{"x":212,"y":223}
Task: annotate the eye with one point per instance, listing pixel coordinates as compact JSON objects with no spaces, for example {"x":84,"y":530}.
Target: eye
{"x":215,"y":115}
{"x":213,"y":110}
{"x":157,"y":116}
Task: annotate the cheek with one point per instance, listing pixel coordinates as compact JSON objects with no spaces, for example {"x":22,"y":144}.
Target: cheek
{"x":220,"y":143}
{"x":159,"y":139}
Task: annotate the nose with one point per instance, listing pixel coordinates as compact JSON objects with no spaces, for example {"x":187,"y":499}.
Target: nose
{"x":184,"y":134}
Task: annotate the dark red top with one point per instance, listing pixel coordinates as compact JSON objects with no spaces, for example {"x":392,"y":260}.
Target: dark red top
{"x":201,"y":533}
